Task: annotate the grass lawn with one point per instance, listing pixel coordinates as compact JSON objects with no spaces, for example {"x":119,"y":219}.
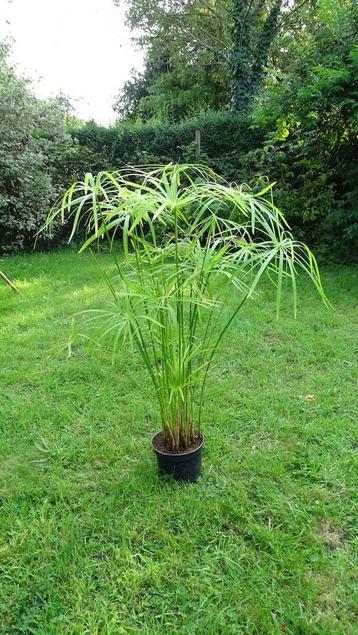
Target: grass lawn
{"x":92,"y":541}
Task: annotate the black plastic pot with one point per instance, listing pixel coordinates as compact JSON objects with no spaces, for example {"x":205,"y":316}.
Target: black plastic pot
{"x":184,"y":466}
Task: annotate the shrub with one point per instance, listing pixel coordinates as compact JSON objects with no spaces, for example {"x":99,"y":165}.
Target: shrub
{"x":35,"y":155}
{"x":222,"y":134}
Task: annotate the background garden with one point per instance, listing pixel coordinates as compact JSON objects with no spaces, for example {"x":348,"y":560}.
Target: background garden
{"x":271,"y":86}
{"x":92,"y":540}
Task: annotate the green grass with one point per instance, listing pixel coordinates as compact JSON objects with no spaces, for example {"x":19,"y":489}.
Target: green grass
{"x":93,"y":541}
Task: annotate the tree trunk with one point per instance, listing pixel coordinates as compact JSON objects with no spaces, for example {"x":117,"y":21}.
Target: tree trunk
{"x":248,"y":59}
{"x":241,"y":58}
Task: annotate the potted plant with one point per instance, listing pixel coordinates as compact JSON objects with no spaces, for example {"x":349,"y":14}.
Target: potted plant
{"x":183,"y":241}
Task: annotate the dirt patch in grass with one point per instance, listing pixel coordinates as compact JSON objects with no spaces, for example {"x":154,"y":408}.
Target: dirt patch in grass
{"x":332,"y":535}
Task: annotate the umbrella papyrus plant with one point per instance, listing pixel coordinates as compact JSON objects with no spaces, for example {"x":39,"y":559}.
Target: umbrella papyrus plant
{"x":183,"y":241}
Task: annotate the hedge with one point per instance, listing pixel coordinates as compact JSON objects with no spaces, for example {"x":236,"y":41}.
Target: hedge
{"x":222,"y":133}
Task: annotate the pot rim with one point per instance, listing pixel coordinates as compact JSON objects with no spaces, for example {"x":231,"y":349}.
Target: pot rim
{"x":177,"y":454}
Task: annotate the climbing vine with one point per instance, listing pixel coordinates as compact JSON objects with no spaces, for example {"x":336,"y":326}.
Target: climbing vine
{"x":253,"y":32}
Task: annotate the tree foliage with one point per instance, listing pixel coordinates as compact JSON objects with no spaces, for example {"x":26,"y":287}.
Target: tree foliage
{"x":187,"y":57}
{"x":310,"y":115}
{"x":205,"y":54}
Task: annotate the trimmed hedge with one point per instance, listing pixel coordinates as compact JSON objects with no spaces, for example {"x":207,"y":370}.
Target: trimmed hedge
{"x":221,"y":134}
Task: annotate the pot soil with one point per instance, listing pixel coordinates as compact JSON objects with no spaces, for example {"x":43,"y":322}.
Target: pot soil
{"x":182,"y":466}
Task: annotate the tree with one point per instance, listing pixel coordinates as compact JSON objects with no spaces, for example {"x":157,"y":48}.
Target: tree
{"x":187,"y":47}
{"x":207,"y":54}
{"x":253,"y":31}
